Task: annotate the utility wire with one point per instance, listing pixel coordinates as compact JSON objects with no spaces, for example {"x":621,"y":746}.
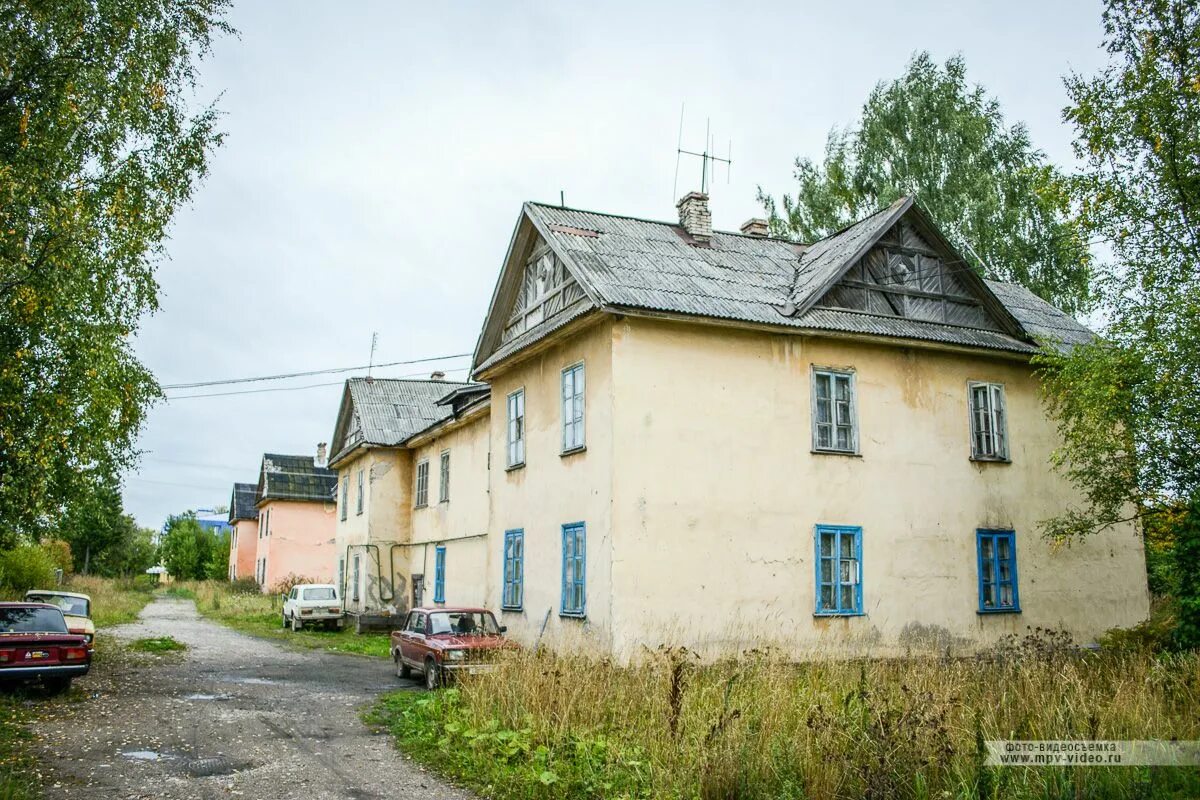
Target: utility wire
{"x":288,"y":388}
{"x":284,"y":376}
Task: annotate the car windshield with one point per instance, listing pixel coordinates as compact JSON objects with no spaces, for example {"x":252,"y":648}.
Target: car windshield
{"x":463,"y":623}
{"x":31,"y":620}
{"x":75,"y":606}
{"x":320,"y":593}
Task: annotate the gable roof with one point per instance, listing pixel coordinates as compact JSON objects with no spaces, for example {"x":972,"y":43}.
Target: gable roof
{"x":625,"y":264}
{"x":242,"y":503}
{"x":285,"y":477}
{"x":386,"y":411}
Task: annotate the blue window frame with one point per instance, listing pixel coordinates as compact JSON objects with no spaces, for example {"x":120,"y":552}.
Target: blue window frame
{"x":439,"y":575}
{"x":574,"y":571}
{"x":839,"y":570}
{"x":997,"y":551}
{"x":514,"y":570}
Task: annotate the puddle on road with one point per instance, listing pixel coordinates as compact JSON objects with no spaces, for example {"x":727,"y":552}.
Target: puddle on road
{"x":252,"y":681}
{"x":145,"y":755}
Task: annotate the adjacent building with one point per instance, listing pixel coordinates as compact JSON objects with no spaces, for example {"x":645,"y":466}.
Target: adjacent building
{"x":411,"y":462}
{"x":243,"y":537}
{"x":296,"y":519}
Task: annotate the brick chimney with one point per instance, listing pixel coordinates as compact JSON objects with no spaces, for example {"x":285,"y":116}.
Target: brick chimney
{"x":322,"y":456}
{"x":756,"y":227}
{"x":695,"y":217}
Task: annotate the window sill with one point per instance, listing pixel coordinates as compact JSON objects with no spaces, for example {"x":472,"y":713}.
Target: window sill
{"x":421,"y":505}
{"x":512,"y":609}
{"x":839,"y":613}
{"x":515,"y":467}
{"x":987,"y":612}
{"x":573,"y":614}
{"x":991,"y":460}
{"x":851,"y":453}
{"x":443,"y":502}
{"x":573,"y":451}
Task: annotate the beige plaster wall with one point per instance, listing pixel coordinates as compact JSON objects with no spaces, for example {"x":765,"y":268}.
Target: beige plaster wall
{"x":716,"y":494}
{"x":372,"y":534}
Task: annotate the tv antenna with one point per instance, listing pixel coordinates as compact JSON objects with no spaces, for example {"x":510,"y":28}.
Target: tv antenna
{"x":371,"y":360}
{"x":708,"y":159}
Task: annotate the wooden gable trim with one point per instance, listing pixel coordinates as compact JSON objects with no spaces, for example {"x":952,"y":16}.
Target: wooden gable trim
{"x":508,"y":284}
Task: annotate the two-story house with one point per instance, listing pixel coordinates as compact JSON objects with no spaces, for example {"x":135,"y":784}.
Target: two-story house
{"x":411,"y":461}
{"x":727,"y":440}
{"x":295,"y":534}
{"x":243,"y":537}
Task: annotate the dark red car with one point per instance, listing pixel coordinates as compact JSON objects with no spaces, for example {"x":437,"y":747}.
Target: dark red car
{"x":441,"y":642}
{"x":36,"y":646}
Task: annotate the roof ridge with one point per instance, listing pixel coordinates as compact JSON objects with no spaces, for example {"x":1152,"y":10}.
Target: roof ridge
{"x":365,"y":378}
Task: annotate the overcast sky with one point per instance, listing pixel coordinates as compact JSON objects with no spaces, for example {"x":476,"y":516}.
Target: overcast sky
{"x":377,"y":156}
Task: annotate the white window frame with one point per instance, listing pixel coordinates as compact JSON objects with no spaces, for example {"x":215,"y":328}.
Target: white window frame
{"x":988,"y":425}
{"x":573,"y":433}
{"x":515,"y":427}
{"x":421,"y":491}
{"x":444,"y":477}
{"x":834,"y":373}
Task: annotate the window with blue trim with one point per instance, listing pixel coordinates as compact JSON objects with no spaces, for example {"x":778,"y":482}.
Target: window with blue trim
{"x":574,"y":570}
{"x":514,"y":570}
{"x":997,"y":570}
{"x":839,"y":569}
{"x":439,"y":575}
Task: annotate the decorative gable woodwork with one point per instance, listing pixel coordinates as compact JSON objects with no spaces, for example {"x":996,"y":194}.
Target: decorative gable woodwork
{"x":546,"y":288}
{"x":904,"y":275}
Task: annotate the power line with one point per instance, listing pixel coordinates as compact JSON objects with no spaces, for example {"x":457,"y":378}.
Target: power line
{"x":292,"y":388}
{"x":284,"y":376}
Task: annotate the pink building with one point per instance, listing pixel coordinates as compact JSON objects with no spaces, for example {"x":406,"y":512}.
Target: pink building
{"x":243,"y":542}
{"x":296,"y":519}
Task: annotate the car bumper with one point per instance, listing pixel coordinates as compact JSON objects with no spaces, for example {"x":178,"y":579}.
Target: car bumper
{"x":469,"y":669}
{"x":50,"y":671}
{"x":319,"y":617}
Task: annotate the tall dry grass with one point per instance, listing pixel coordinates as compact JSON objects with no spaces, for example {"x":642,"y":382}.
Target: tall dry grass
{"x":759,"y":726}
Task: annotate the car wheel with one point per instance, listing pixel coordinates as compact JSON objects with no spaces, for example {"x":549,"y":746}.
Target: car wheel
{"x":284,"y":618}
{"x":296,"y":624}
{"x":56,"y":685}
{"x":402,"y":669}
{"x":433,"y":678}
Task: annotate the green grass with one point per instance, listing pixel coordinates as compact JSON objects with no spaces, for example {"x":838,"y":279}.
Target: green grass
{"x":18,"y":767}
{"x":157,"y":644}
{"x":260,"y":615}
{"x":759,"y":727}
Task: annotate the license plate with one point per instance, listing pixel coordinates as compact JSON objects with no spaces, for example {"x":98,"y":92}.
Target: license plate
{"x":37,"y":654}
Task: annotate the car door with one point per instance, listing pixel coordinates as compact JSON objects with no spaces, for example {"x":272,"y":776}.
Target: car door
{"x":412,"y":646}
{"x":289,"y":605}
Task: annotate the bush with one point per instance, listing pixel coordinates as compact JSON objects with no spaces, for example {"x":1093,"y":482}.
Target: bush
{"x":26,"y":567}
{"x":285,"y":584}
{"x":244,"y":586}
{"x":60,"y":553}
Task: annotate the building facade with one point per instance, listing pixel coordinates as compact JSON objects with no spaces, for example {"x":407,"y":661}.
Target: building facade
{"x":725,"y":440}
{"x":243,"y":537}
{"x":296,"y":522}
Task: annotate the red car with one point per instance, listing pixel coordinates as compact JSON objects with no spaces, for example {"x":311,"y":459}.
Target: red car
{"x":35,"y":645}
{"x":440,"y":642}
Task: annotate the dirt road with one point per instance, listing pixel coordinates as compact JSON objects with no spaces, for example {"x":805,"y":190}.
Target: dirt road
{"x":235,"y":717}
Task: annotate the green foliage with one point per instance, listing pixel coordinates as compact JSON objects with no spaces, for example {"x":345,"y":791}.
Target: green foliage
{"x":26,"y":567}
{"x":60,"y":553}
{"x":130,"y":556}
{"x":218,"y":559}
{"x":186,"y":548}
{"x":94,"y":523}
{"x":1126,"y":405}
{"x":931,"y":134}
{"x":1187,"y":567}
{"x":157,"y":644}
{"x":243,"y":586}
{"x":101,"y":141}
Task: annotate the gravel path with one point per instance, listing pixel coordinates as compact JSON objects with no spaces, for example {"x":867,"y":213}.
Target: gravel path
{"x":234,"y":717}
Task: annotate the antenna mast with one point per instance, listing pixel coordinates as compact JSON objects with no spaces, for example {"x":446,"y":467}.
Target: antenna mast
{"x":707,"y":158}
{"x":371,"y":360}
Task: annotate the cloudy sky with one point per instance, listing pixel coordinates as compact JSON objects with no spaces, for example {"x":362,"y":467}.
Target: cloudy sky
{"x":377,"y":155}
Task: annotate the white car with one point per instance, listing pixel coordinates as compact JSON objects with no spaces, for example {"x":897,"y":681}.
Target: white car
{"x":312,"y":604}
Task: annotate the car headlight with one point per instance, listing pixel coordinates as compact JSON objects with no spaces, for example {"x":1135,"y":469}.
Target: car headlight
{"x":456,"y":655}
